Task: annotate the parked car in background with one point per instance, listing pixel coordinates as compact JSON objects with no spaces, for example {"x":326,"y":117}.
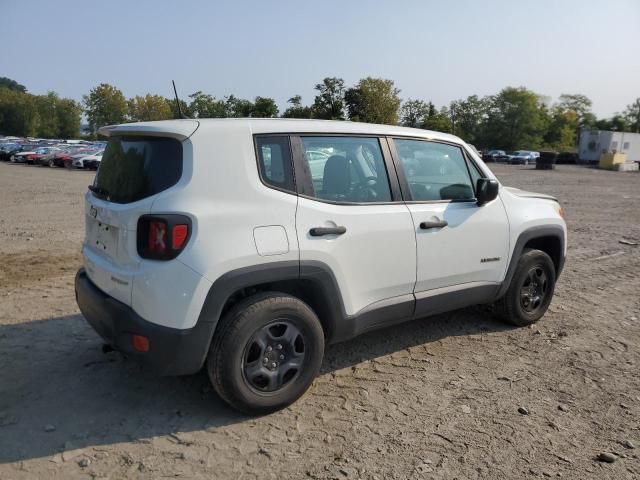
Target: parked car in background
{"x":92,"y":162}
{"x":25,"y":154}
{"x":494,"y":155}
{"x":61,"y":158}
{"x":567,"y":157}
{"x":8,"y":149}
{"x":45,"y":155}
{"x":78,"y":160}
{"x":522,"y":157}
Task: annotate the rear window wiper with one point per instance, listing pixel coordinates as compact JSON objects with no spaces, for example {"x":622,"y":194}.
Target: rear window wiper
{"x":99,"y":191}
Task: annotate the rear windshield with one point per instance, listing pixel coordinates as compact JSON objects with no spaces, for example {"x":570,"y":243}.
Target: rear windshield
{"x":134,"y":168}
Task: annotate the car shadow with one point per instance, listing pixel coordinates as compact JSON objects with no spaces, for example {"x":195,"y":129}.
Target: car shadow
{"x":59,"y":391}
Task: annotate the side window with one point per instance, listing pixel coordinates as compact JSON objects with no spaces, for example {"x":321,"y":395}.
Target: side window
{"x":434,"y":171}
{"x":346,"y":169}
{"x":274,"y":161}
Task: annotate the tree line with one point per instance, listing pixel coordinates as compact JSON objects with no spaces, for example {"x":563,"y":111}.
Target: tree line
{"x":514,"y":118}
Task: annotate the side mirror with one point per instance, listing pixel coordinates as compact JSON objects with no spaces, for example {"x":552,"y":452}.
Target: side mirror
{"x":486,"y":190}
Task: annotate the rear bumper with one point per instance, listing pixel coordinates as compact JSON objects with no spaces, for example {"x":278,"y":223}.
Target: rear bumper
{"x":172,"y":351}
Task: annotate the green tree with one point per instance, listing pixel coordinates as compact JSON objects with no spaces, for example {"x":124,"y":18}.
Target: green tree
{"x":184,"y":107}
{"x":297,"y":110}
{"x":264,"y":107}
{"x":68,"y":112}
{"x":632,"y":115}
{"x":413,"y":113}
{"x":578,"y":103}
{"x":149,"y":108}
{"x":373,"y":100}
{"x":437,"y":120}
{"x":12,"y":85}
{"x":616,"y":123}
{"x":237,"y":107}
{"x":516,"y":119}
{"x":329,"y":103}
{"x":47,"y":106}
{"x":467,"y":118}
{"x":18,"y":113}
{"x":562,"y":131}
{"x":105,"y":105}
{"x":203,"y":105}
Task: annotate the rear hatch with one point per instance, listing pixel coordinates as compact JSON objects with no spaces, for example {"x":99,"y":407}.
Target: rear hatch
{"x":138,"y":164}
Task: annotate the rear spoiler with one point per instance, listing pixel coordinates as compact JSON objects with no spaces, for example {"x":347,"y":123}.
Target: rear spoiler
{"x":178,"y":129}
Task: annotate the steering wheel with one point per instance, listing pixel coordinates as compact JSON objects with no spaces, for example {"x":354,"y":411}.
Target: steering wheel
{"x":366,"y":191}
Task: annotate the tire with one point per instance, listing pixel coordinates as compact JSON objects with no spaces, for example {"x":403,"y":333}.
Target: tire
{"x":266,"y":352}
{"x":52,"y":163}
{"x":537,"y":274}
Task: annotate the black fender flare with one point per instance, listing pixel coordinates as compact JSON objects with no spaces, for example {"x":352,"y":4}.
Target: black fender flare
{"x":317,"y":274}
{"x":526,"y":236}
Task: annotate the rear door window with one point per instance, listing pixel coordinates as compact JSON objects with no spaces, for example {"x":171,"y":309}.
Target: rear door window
{"x":346,"y":169}
{"x":134,"y":168}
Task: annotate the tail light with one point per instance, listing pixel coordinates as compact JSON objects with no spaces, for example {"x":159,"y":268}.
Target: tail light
{"x":162,"y":237}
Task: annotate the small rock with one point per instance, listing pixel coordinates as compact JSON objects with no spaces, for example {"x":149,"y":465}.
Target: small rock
{"x":634,"y":318}
{"x":265,"y":452}
{"x":546,"y":474}
{"x":538,"y":332}
{"x":562,"y":333}
{"x":607,"y":457}
{"x":563,"y":408}
{"x":523,"y":410}
{"x":84,"y":462}
{"x":424,"y":468}
{"x":466,"y":409}
{"x":625,"y":406}
{"x":629,"y":444}
{"x":49,"y":428}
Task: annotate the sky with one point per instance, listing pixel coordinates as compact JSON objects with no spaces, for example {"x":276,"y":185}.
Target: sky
{"x":433,"y":50}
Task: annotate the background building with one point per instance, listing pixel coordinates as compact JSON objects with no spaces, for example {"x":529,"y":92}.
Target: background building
{"x":594,"y":143}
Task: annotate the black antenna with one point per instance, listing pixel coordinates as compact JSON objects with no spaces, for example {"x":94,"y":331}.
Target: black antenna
{"x":182,"y":115}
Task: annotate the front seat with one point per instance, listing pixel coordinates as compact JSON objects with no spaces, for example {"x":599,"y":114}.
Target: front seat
{"x":336,"y":183}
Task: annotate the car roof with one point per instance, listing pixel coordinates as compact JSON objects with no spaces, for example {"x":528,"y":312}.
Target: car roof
{"x":185,"y":128}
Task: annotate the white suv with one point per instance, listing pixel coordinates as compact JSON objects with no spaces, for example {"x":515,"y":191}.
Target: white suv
{"x":247,"y":245}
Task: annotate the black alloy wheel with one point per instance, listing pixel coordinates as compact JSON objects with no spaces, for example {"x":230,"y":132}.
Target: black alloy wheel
{"x":274,"y":356}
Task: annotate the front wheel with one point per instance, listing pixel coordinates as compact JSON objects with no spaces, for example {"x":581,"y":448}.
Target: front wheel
{"x":266,"y":352}
{"x":531,"y":289}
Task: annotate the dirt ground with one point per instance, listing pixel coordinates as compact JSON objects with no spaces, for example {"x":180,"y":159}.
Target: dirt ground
{"x":435,"y":398}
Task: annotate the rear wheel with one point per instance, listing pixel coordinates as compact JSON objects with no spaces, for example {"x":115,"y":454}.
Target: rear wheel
{"x":52,"y":163}
{"x":265,"y":353}
{"x":530,"y":291}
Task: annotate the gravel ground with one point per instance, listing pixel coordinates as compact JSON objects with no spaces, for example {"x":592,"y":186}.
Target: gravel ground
{"x":435,"y":398}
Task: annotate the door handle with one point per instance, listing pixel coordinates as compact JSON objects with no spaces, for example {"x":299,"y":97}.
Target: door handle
{"x":322,"y":231}
{"x":436,"y":224}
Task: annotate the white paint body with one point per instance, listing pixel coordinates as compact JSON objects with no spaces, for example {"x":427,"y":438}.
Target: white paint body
{"x":239,"y":222}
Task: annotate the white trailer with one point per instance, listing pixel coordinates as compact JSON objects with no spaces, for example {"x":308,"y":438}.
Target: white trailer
{"x":594,"y":143}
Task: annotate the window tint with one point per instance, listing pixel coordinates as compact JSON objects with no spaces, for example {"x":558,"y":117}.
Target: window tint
{"x":435,"y":171}
{"x":134,"y":168}
{"x":347,"y":169}
{"x":274,"y":160}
